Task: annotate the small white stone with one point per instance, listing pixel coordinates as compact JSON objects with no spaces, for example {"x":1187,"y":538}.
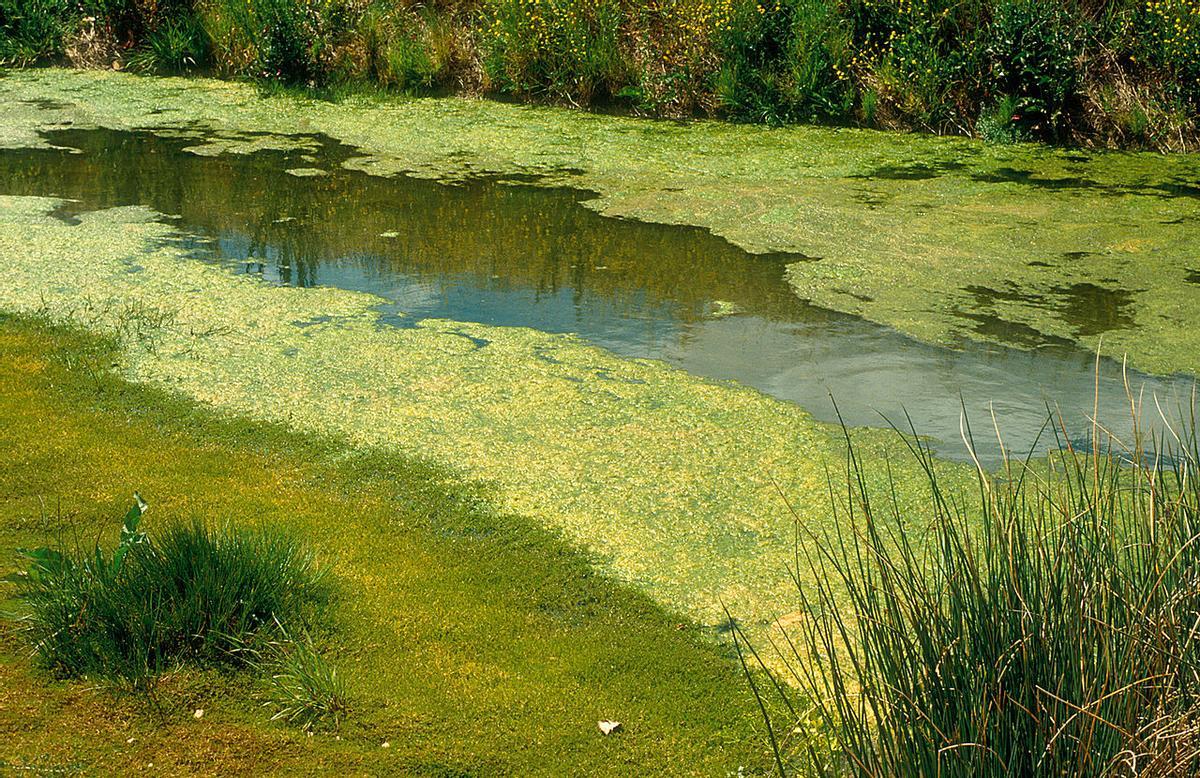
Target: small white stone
{"x":199,"y":714}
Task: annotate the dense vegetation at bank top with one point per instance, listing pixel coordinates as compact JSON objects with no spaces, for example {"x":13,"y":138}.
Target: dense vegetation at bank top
{"x":1107,"y":72}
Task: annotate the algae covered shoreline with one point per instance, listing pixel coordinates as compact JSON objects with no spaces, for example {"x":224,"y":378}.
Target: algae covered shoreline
{"x":534,"y":533}
{"x":471,"y":642}
{"x":672,"y":480}
{"x":942,"y":239}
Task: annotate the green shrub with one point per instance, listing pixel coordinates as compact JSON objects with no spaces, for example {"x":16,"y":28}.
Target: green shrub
{"x":194,"y":594}
{"x":675,"y":52}
{"x":785,"y":61}
{"x":567,"y":50}
{"x":1167,"y":36}
{"x":1045,"y":626}
{"x":1121,"y":73}
{"x":999,"y":124}
{"x":293,"y":39}
{"x":1034,"y":45}
{"x":922,"y":58}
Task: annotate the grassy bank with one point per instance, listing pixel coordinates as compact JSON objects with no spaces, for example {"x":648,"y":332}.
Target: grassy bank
{"x":471,"y":642}
{"x":1106,"y":72}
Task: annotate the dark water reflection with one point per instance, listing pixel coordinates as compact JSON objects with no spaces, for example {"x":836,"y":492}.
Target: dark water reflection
{"x":526,"y":256}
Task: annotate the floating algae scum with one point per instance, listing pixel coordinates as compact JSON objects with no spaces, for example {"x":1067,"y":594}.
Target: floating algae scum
{"x":528,"y":256}
{"x":500,"y":328}
{"x":939,"y":238}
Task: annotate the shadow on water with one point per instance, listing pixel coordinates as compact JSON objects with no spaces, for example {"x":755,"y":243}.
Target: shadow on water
{"x":515,"y":255}
{"x":1088,"y":308}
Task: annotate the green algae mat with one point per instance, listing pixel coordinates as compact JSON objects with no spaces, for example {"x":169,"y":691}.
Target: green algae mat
{"x":676,"y":483}
{"x":679,"y":485}
{"x":940,"y":238}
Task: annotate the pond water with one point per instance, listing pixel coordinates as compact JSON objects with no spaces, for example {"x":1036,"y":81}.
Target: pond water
{"x":512,"y":254}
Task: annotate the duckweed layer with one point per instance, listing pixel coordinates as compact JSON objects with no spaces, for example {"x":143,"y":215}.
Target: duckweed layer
{"x":940,"y":238}
{"x":671,"y":479}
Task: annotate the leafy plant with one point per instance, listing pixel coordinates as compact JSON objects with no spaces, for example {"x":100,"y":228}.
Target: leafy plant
{"x":1167,"y":36}
{"x":1001,"y":124}
{"x":1033,"y":48}
{"x":564,"y":49}
{"x":921,"y":59}
{"x":784,"y":61}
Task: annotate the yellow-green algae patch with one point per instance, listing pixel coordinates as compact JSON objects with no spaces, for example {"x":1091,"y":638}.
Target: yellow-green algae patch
{"x":671,"y":479}
{"x":940,"y":238}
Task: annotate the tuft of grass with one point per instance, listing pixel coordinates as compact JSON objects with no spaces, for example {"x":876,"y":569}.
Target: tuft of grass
{"x":1047,"y":625}
{"x":195,"y":594}
{"x":305,"y":690}
{"x":396,"y":56}
{"x":32,"y":30}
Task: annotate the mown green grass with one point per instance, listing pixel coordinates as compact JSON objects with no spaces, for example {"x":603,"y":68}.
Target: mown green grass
{"x":470,"y":642}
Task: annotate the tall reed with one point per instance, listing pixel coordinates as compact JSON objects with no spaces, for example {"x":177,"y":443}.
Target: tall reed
{"x":1045,"y":624}
{"x":1115,"y":72}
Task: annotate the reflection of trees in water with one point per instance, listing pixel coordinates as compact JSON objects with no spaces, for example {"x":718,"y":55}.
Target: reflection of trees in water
{"x":498,"y":236}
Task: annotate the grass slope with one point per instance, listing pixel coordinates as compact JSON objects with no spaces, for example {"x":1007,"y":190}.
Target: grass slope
{"x":473,"y":642}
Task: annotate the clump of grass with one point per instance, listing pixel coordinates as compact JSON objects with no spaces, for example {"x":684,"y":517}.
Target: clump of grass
{"x":32,"y":30}
{"x":305,"y":690}
{"x":1047,"y":625}
{"x":395,"y":54}
{"x":193,"y":594}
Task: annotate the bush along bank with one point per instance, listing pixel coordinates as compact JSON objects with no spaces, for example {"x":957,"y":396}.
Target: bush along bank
{"x":1093,"y":72}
